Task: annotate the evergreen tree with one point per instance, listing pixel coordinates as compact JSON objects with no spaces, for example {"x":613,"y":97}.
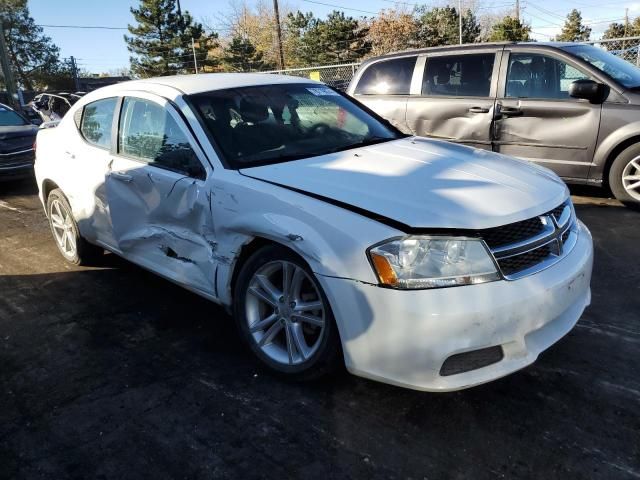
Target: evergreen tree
{"x":161,"y":42}
{"x":510,"y":29}
{"x":573,"y":29}
{"x":33,"y":57}
{"x":335,"y":40}
{"x":241,"y":56}
{"x":440,"y":26}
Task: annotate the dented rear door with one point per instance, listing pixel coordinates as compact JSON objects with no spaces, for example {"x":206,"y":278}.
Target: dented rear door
{"x":158,"y":197}
{"x":455,"y":97}
{"x":537,"y":120}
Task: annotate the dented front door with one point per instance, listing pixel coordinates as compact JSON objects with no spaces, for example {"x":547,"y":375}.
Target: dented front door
{"x":157,"y":195}
{"x":537,"y":120}
{"x":455,"y":98}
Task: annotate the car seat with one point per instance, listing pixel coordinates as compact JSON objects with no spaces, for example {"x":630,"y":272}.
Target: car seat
{"x":254,"y":134}
{"x":518,"y":76}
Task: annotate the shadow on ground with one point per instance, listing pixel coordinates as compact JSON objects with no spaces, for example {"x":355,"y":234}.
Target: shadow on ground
{"x":112,"y":372}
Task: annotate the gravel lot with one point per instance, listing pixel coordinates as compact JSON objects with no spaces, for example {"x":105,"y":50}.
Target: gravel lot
{"x":112,"y":372}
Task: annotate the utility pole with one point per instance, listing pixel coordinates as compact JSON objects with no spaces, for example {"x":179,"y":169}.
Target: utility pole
{"x":74,"y":72}
{"x":626,"y":28}
{"x":460,"y":20}
{"x":279,"y":34}
{"x":518,"y":10}
{"x":195,"y":59}
{"x":9,"y":81}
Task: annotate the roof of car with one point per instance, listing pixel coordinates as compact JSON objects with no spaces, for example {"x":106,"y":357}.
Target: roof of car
{"x":470,"y":46}
{"x":191,"y":84}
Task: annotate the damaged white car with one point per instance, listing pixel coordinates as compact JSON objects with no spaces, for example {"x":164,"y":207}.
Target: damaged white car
{"x":330,"y":235}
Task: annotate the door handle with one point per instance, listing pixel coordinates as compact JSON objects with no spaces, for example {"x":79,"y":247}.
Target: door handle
{"x":510,"y":112}
{"x":478,"y":110}
{"x":123,"y":177}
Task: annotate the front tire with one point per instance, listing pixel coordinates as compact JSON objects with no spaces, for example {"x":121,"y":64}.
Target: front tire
{"x":284,"y":316}
{"x":624,"y":176}
{"x":71,"y":245}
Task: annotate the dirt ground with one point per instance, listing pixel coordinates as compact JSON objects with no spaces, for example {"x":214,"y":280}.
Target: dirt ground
{"x":112,"y":372}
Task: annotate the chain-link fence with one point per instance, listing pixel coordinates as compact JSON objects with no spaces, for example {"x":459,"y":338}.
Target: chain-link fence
{"x":339,"y":76}
{"x":626,"y":48}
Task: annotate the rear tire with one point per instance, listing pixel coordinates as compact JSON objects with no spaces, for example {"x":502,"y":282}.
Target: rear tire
{"x":71,"y":245}
{"x":291,"y":330}
{"x":624,"y":177}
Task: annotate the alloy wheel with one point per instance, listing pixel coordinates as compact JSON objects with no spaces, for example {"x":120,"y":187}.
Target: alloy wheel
{"x":285,"y":313}
{"x":631,"y":178}
{"x":63,"y":229}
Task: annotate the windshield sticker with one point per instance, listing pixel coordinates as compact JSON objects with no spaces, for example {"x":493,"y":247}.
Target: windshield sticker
{"x":322,"y":91}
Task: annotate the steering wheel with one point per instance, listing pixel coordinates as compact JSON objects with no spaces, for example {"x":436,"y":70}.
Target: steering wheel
{"x":320,"y":129}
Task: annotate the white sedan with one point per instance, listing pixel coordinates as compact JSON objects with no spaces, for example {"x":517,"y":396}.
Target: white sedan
{"x":328,"y":234}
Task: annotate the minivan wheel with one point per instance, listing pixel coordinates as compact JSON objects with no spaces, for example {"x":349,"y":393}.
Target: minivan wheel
{"x":64,"y":228}
{"x":624,"y":176}
{"x":284,"y":316}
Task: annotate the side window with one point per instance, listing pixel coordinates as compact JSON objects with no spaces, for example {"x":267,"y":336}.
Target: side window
{"x":531,"y":75}
{"x":96,"y":122}
{"x":149,"y":133}
{"x":458,"y":75}
{"x":388,"y":77}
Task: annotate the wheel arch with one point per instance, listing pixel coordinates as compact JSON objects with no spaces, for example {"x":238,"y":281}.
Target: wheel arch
{"x":48,"y":186}
{"x":246,"y":250}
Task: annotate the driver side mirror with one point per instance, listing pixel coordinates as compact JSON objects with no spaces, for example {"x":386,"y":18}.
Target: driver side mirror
{"x":589,"y":90}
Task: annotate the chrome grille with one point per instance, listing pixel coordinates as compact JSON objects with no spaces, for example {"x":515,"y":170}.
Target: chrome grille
{"x":529,"y":246}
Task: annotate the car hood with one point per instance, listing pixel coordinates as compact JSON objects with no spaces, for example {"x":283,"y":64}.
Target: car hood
{"x":424,"y":183}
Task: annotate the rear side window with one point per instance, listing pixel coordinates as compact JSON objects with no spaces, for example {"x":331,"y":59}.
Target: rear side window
{"x":458,"y":75}
{"x":149,"y":133}
{"x":389,"y":77}
{"x":97,"y":119}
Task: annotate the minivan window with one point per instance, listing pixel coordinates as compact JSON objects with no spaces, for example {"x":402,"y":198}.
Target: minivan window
{"x":532,"y":75}
{"x":388,"y":77}
{"x":458,"y":75}
{"x":97,"y":119}
{"x":614,"y":66}
{"x":149,"y":133}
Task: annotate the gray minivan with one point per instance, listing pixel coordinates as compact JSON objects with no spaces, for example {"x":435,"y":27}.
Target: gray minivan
{"x":571,"y":107}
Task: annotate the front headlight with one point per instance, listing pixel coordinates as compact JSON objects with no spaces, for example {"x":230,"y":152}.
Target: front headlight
{"x":431,"y":262}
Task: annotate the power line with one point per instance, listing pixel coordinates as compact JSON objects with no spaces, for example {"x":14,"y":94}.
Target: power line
{"x":340,"y":7}
{"x":93,"y":27}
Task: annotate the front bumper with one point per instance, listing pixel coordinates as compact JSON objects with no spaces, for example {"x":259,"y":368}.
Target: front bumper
{"x":404,"y":337}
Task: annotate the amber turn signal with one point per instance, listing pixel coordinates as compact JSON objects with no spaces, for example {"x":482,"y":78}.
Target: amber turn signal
{"x":383,"y":268}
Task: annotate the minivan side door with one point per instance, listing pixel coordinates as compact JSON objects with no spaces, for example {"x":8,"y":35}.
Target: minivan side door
{"x":157,"y":193}
{"x":456,"y":96}
{"x":384,"y":87}
{"x":537,"y":120}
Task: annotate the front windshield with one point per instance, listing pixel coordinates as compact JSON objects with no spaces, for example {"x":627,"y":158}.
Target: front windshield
{"x":620,"y":70}
{"x":9,"y":118}
{"x":266,"y":124}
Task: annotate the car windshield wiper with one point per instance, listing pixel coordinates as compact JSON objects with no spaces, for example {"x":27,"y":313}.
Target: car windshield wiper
{"x":299,"y":156}
{"x":361,"y":143}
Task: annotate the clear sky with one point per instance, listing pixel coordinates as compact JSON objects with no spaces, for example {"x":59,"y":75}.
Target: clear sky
{"x":104,"y":50}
